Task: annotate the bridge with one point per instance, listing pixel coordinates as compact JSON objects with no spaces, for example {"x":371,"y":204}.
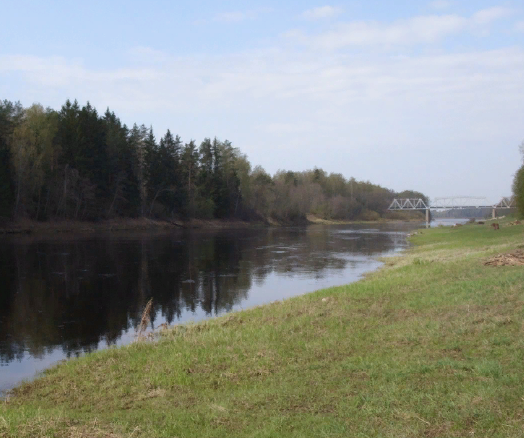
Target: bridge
{"x":449,"y":203}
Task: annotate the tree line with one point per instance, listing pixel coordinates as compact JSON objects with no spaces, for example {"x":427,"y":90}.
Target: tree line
{"x":77,"y":164}
{"x":518,"y":184}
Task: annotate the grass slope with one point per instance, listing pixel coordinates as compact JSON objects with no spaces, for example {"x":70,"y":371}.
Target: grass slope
{"x":432,"y":345}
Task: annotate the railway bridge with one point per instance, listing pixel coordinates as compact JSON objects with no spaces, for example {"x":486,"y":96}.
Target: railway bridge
{"x":451,"y":203}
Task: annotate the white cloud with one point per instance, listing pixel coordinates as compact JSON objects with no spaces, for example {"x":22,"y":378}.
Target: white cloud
{"x":411,"y":31}
{"x":147,"y":53}
{"x":321,"y":12}
{"x":440,"y":4}
{"x":231,"y":17}
{"x":280,"y":79}
{"x":415,"y":30}
{"x":486,"y":16}
{"x":59,"y":71}
{"x":235,"y":16}
{"x":519,"y":26}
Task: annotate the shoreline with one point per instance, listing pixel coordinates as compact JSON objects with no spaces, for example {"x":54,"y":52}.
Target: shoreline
{"x":419,"y":347}
{"x":145,"y":224}
{"x":313,"y":220}
{"x":121,"y":225}
{"x":375,"y":262}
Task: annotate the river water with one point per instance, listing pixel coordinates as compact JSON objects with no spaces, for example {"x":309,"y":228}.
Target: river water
{"x":62,"y":296}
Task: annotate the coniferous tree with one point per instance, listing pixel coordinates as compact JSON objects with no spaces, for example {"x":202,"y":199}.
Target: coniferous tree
{"x":206,"y":190}
{"x":155,"y":174}
{"x":190,"y":168}
{"x":227,"y":182}
{"x":220,"y":191}
{"x":122,"y":184}
{"x":137,"y":138}
{"x":10,"y":115}
{"x":205,"y":176}
{"x":170,"y":155}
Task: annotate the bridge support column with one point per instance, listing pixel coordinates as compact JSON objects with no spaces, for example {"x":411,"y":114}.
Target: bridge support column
{"x":494,"y":213}
{"x":427,"y":215}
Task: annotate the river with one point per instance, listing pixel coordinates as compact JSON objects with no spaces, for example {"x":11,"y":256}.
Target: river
{"x":64,"y":295}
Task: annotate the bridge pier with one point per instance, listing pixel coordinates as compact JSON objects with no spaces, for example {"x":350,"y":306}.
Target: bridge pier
{"x":494,"y":213}
{"x":427,"y":215}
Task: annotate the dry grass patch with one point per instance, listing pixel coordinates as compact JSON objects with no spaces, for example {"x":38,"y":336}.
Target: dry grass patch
{"x":515,"y":258}
{"x":44,"y":427}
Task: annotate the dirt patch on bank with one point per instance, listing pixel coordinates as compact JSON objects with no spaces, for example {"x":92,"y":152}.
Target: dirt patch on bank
{"x":510,"y":259}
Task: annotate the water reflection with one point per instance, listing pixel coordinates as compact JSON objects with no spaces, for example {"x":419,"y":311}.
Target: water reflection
{"x":67,"y":295}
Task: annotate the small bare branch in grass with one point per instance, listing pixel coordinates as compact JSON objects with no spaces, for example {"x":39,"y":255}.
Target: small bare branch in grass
{"x":146,"y":318}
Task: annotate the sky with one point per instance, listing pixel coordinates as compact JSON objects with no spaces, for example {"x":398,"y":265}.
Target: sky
{"x":422,"y":95}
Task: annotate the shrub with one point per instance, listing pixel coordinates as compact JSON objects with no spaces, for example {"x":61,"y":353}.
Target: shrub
{"x":369,"y":215}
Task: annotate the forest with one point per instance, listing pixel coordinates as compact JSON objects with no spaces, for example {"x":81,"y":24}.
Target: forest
{"x":76,"y":164}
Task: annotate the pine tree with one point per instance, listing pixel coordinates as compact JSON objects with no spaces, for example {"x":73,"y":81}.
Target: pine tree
{"x":156,"y":175}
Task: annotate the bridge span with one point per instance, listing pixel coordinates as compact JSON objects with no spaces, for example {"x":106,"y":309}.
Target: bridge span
{"x":451,"y":203}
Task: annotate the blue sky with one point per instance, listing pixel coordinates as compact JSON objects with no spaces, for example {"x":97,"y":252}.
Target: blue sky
{"x":406,"y":94}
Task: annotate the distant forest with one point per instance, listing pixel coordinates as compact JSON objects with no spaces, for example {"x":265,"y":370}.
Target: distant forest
{"x":76,"y":164}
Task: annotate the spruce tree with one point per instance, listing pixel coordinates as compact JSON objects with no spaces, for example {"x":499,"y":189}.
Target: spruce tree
{"x":10,"y":116}
{"x":190,"y":170}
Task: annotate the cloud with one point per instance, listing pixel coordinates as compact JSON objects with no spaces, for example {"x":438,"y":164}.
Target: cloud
{"x":147,"y":53}
{"x":321,"y":12}
{"x":235,"y":16}
{"x":59,"y":71}
{"x":232,"y":17}
{"x":411,"y":31}
{"x":280,"y":78}
{"x":486,"y":16}
{"x":440,"y":4}
{"x":519,"y":26}
{"x":416,"y":30}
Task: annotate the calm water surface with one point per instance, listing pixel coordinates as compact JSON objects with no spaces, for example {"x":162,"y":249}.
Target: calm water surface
{"x":62,"y":296}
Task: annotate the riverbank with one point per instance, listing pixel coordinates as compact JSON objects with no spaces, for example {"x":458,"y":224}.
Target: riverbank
{"x":145,"y":224}
{"x":392,"y":218}
{"x":142,"y":224}
{"x":431,"y":345}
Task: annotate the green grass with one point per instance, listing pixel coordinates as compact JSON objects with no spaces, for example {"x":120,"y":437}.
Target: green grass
{"x":431,"y":346}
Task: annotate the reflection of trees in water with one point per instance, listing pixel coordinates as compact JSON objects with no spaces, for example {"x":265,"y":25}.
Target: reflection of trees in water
{"x":76,"y":293}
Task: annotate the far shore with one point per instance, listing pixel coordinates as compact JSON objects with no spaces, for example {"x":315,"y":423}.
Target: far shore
{"x":145,"y":224}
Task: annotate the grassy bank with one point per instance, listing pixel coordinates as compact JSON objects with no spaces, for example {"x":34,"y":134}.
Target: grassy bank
{"x":432,"y":345}
{"x":312,"y":219}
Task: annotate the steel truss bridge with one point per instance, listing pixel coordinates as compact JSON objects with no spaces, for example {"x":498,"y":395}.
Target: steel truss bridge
{"x":450,"y":203}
